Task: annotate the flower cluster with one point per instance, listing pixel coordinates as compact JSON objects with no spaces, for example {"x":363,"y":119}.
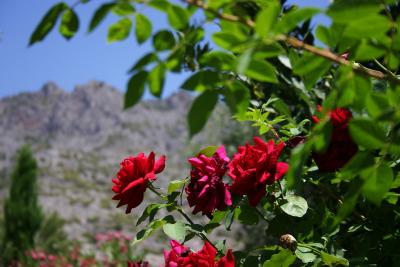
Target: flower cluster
{"x":133,"y":178}
{"x":253,"y":168}
{"x":181,"y":256}
{"x":341,"y":147}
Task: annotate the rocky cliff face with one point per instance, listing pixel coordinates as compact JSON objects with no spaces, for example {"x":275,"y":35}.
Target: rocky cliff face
{"x":79,"y":138}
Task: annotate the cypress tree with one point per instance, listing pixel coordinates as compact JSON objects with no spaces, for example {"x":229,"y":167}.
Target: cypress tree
{"x":22,"y":213}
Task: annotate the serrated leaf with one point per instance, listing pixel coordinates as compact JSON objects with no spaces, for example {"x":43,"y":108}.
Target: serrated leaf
{"x":123,"y":9}
{"x":296,"y":206}
{"x":261,"y":70}
{"x":178,"y":17}
{"x":200,"y":110}
{"x":163,"y":40}
{"x":332,"y":260}
{"x":305,"y":254}
{"x":143,"y":28}
{"x":267,"y":18}
{"x":69,"y":24}
{"x":135,"y":89}
{"x":47,"y":23}
{"x":291,"y":19}
{"x":150,"y":211}
{"x":99,"y":15}
{"x":237,"y":96}
{"x":144,"y":61}
{"x":208,"y":151}
{"x":119,"y":30}
{"x":201,"y":81}
{"x":367,"y":133}
{"x":175,"y":185}
{"x":218,"y":59}
{"x":378,"y":182}
{"x":227,"y":40}
{"x":284,"y":258}
{"x":176,"y":231}
{"x":151,"y":227}
{"x":156,"y":80}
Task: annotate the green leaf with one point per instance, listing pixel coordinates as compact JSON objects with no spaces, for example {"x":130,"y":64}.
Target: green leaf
{"x":352,"y":88}
{"x":262,"y":71}
{"x":246,"y":214}
{"x":175,"y":231}
{"x":69,"y":24}
{"x":343,"y":11}
{"x":367,"y":51}
{"x":298,"y":158}
{"x":150,"y":211}
{"x":218,"y":59}
{"x":144,"y":61}
{"x":349,"y":202}
{"x":156,"y":80}
{"x":143,"y":28}
{"x":178,"y":17}
{"x":332,"y":260}
{"x":47,"y":23}
{"x":296,"y":206}
{"x":367,"y":133}
{"x":123,"y":9}
{"x":324,"y":35}
{"x":119,"y":30}
{"x":305,"y":254}
{"x":163,"y":40}
{"x":227,"y":40}
{"x":208,"y":151}
{"x":267,"y":18}
{"x":151,"y":227}
{"x":377,"y":27}
{"x":135,"y":89}
{"x":99,"y":15}
{"x":201,"y":81}
{"x":377,"y":104}
{"x":291,"y":19}
{"x":284,"y":258}
{"x":175,"y":185}
{"x":359,"y":162}
{"x":378,"y":182}
{"x":311,"y":68}
{"x":237,"y":96}
{"x":200,"y":110}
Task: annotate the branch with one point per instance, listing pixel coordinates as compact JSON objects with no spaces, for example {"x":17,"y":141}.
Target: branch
{"x":358,"y":68}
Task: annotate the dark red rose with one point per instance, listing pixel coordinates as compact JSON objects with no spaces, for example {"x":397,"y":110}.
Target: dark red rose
{"x":341,"y":147}
{"x":254,"y":167}
{"x":133,"y":177}
{"x":206,"y":190}
{"x":295,"y":141}
{"x":138,"y":264}
{"x":181,"y":256}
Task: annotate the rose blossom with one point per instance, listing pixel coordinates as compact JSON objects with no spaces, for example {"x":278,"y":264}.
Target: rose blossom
{"x":181,"y":256}
{"x":133,"y":177}
{"x":206,"y":190}
{"x":341,"y":147}
{"x":254,"y":167}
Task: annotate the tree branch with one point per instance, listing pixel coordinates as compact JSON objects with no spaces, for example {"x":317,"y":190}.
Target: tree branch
{"x":358,"y":68}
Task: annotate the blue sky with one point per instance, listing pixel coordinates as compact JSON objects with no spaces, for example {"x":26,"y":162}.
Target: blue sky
{"x":68,"y":63}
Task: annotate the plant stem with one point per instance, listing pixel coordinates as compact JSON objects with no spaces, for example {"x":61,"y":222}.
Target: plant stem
{"x":182,"y":212}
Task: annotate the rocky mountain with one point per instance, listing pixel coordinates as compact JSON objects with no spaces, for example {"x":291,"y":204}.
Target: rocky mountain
{"x":80,"y":137}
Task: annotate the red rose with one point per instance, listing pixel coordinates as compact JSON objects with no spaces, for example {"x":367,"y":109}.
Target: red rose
{"x":206,"y":190}
{"x":181,"y":256}
{"x":138,"y":264}
{"x":341,"y":147}
{"x":253,"y":167}
{"x":133,"y":177}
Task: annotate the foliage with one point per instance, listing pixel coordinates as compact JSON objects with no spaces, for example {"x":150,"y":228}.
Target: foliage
{"x":272,"y":69}
{"x":22,"y":213}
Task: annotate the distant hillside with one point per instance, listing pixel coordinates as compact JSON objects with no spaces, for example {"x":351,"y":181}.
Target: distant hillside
{"x":79,"y":138}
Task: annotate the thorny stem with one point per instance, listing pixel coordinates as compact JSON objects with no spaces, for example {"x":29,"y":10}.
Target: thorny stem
{"x":182,"y":212}
{"x":296,"y":43}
